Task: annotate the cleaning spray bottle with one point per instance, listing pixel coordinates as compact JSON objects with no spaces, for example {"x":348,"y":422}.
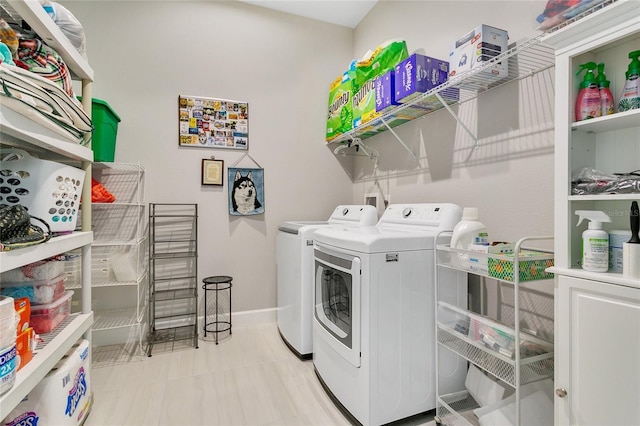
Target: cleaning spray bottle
{"x":606,"y":97}
{"x":595,"y":241}
{"x":630,"y":98}
{"x":588,"y":100}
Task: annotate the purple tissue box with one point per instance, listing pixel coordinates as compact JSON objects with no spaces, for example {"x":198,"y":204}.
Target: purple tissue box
{"x":384,"y":92}
{"x":418,"y":74}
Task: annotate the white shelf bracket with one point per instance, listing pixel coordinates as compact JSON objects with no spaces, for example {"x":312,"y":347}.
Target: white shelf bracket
{"x":455,"y":116}
{"x":399,"y":139}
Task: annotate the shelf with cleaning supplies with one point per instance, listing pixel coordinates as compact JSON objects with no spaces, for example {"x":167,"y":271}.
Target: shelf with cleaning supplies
{"x":524,"y":59}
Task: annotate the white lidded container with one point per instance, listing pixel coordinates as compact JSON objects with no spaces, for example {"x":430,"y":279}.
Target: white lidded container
{"x":469,"y":230}
{"x":617,"y":238}
{"x":8,"y":353}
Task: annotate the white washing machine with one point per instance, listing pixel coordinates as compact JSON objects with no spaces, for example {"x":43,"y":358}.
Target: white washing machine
{"x":294,"y":258}
{"x":374,"y":320}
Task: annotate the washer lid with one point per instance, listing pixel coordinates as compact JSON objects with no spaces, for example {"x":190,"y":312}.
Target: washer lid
{"x":352,"y":215}
{"x":373,"y":239}
{"x":294,"y":227}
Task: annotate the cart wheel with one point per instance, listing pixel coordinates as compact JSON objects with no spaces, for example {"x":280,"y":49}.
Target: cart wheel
{"x":437,"y":420}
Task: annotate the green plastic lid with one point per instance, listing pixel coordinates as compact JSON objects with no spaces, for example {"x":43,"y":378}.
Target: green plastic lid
{"x":104,"y":104}
{"x":602,"y":79}
{"x":589,"y":77}
{"x":634,"y":66}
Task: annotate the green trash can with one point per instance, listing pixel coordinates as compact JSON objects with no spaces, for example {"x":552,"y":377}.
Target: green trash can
{"x":105,"y":123}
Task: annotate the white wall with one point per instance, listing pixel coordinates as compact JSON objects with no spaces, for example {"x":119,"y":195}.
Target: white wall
{"x":147,"y":53}
{"x":510,"y":177}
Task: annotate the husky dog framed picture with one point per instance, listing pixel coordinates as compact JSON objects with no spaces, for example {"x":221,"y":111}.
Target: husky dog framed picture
{"x":246,"y":191}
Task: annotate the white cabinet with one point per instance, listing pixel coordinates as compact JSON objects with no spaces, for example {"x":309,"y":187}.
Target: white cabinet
{"x":597,"y":353}
{"x":594,"y":309}
{"x":19,"y":131}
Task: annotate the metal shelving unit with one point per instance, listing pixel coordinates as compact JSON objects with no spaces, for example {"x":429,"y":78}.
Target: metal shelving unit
{"x":173,"y":274}
{"x":463,"y":332}
{"x":118,"y":263}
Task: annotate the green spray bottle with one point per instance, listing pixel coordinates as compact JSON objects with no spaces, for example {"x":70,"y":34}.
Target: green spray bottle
{"x":630,"y":98}
{"x":606,"y":97}
{"x":588,"y":103}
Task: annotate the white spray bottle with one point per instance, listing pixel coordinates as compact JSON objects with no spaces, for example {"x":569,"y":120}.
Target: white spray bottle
{"x":595,"y":241}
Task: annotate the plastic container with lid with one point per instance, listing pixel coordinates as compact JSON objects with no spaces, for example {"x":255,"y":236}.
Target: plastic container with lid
{"x":7,"y":367}
{"x":469,"y":230}
{"x":45,"y":318}
{"x":105,"y":121}
{"x":7,"y":322}
{"x":38,"y":291}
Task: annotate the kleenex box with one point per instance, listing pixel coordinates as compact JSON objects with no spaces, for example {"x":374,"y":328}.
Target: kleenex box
{"x":384,"y":92}
{"x":477,"y":47}
{"x":418,"y":74}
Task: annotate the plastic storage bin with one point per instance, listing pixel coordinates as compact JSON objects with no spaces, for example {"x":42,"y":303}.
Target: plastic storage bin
{"x":38,"y":291}
{"x":49,"y":190}
{"x":45,"y":318}
{"x":105,"y":130}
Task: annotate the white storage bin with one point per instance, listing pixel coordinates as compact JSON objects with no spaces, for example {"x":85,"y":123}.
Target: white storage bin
{"x":50,"y":191}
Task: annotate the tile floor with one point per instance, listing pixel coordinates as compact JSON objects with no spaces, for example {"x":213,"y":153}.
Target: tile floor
{"x":250,"y":378}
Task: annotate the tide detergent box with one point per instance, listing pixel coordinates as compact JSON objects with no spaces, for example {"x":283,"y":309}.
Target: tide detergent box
{"x":418,"y":74}
{"x":340,"y":112}
{"x":62,"y":397}
{"x":477,"y":47}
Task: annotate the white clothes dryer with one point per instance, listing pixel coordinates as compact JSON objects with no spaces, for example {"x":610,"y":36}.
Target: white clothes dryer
{"x":374,"y":316}
{"x":294,"y":258}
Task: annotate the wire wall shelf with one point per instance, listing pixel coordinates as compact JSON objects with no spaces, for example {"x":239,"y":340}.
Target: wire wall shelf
{"x":523,"y":60}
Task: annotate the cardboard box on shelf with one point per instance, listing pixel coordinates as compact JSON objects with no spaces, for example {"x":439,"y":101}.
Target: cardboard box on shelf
{"x":418,"y":74}
{"x":477,"y":47}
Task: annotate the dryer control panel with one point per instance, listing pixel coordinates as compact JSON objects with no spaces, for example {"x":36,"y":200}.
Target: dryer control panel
{"x":441,"y":216}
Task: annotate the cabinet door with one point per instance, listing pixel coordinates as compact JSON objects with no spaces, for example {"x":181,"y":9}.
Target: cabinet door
{"x":597,"y":360}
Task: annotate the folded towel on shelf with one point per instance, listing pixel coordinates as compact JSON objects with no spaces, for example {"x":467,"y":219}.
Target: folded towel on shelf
{"x":43,"y":60}
{"x":43,"y":102}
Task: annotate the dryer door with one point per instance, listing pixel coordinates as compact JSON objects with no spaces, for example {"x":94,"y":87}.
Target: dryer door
{"x":337,"y":301}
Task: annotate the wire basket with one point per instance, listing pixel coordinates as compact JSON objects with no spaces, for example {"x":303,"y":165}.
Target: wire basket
{"x":50,"y":191}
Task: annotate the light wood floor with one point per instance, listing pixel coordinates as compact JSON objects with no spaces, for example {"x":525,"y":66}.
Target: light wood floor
{"x":250,"y":378}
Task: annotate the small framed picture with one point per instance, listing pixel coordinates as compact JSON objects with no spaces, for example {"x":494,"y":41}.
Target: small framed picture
{"x":212,"y":172}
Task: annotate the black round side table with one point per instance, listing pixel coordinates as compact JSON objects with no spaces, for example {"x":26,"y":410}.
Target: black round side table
{"x":217,"y":284}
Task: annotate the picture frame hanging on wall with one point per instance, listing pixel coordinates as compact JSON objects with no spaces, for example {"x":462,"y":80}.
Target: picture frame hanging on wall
{"x":213,"y":123}
{"x":212,"y":172}
{"x":246,"y":191}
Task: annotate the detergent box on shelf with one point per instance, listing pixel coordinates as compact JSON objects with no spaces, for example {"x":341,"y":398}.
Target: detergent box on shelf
{"x":418,"y":74}
{"x":62,"y":397}
{"x":477,"y":47}
{"x":340,"y":111}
